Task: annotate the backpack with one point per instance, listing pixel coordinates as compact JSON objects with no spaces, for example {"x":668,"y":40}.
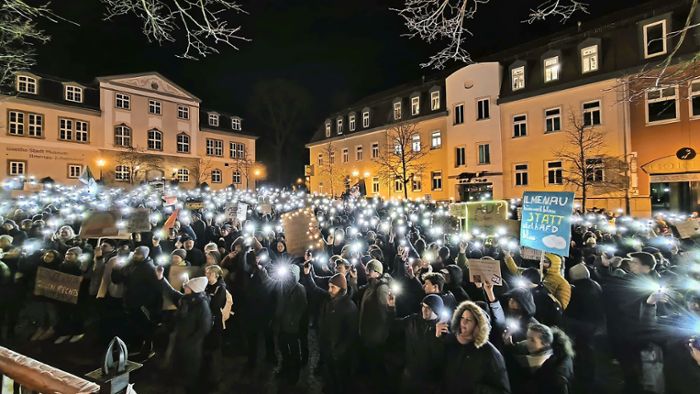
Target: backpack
{"x":226,"y":310}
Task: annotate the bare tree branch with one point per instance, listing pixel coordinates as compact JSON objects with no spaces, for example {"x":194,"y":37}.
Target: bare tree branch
{"x":556,"y":8}
{"x":399,"y":161}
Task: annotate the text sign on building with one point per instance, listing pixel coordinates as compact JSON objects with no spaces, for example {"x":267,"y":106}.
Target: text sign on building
{"x":686,"y":154}
{"x":546,"y":222}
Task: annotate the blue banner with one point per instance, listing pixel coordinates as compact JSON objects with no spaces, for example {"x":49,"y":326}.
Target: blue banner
{"x":546,"y":221}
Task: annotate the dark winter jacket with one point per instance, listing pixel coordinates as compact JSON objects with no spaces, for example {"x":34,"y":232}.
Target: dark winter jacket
{"x":291,"y":306}
{"x":423,"y":350}
{"x":681,"y":372}
{"x":454,"y":284}
{"x":375,"y":320}
{"x":585,"y":314}
{"x":527,"y":303}
{"x":629,"y":317}
{"x":217,"y":297}
{"x":196,"y":257}
{"x":141,"y":286}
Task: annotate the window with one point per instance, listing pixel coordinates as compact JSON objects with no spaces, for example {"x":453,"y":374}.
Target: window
{"x":460,"y":157}
{"x":351,"y":122}
{"x":519,"y":126}
{"x":214,"y":120}
{"x":595,"y":170}
{"x":183,"y":143}
{"x":16,"y":167}
{"x":695,"y":99}
{"x":74,"y":171}
{"x":154,"y":107}
{"x":375,"y":184}
{"x":415,"y":105}
{"x":436,"y":177}
{"x":552,"y":120}
{"x":517,"y":76}
{"x":397,"y":110}
{"x":26,"y":84}
{"x":591,"y":113}
{"x":65,"y":129}
{"x":16,"y":123}
{"x":122,"y":173}
{"x":328,"y":129}
{"x":122,"y":136}
{"x":183,"y":175}
{"x":236,"y":150}
{"x":435,"y":100}
{"x":339,"y":125}
{"x":122,"y":101}
{"x":459,"y":114}
{"x":416,"y":183}
{"x":320,"y":159}
{"x":398,"y":148}
{"x":398,"y":185}
{"x":555,"y":173}
{"x":35,"y":125}
{"x":74,"y":93}
{"x":482,"y":109}
{"x":236,"y":177}
{"x":215,"y":176}
{"x":331,"y":157}
{"x":155,"y":140}
{"x":183,"y":112}
{"x":551,"y":69}
{"x":215,"y":147}
{"x":81,"y":131}
{"x":655,"y":39}
{"x":662,"y":104}
{"x":358,"y":153}
{"x":436,"y":140}
{"x":346,"y":155}
{"x":236,"y":123}
{"x":521,"y":175}
{"x":589,"y":59}
{"x":415,"y":142}
{"x":484,"y":154}
{"x":375,"y":150}
{"x":365,"y":119}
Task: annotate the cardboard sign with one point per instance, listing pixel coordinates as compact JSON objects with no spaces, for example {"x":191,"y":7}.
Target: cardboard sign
{"x":231,"y":211}
{"x":57,"y":285}
{"x":546,"y":223}
{"x":169,"y":200}
{"x":177,"y":277}
{"x":301,"y":231}
{"x":194,"y":205}
{"x":530,"y":254}
{"x":688,"y":229}
{"x":487,"y":216}
{"x":242,"y":212}
{"x":100,"y":224}
{"x":266,"y":208}
{"x":139,"y":221}
{"x":485,"y":270}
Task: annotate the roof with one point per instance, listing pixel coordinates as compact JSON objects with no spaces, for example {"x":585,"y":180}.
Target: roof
{"x":51,"y":89}
{"x":146,"y":73}
{"x":224,"y":123}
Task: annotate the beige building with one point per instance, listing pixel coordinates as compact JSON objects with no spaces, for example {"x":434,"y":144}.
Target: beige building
{"x":126,"y":128}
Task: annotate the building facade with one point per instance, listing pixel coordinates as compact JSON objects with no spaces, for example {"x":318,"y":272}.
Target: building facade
{"x":126,"y":128}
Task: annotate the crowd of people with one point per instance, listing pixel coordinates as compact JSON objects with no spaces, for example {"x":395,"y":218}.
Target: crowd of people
{"x":387,"y":296}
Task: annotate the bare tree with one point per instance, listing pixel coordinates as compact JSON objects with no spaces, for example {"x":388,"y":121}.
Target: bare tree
{"x":138,"y":161}
{"x":434,"y":20}
{"x":202,"y":170}
{"x":587,"y":167}
{"x":244,"y":165}
{"x":401,"y":160}
{"x":328,"y":168}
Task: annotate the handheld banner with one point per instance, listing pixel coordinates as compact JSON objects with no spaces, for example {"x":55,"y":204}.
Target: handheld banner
{"x":546,"y":223}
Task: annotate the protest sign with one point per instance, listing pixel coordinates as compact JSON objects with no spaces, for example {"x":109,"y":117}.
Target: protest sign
{"x":530,"y":254}
{"x":546,"y":223}
{"x":301,"y":231}
{"x":177,"y":276}
{"x":266,"y":208}
{"x":57,"y":285}
{"x":242,"y":212}
{"x":139,"y":221}
{"x":194,"y":205}
{"x":688,"y":229}
{"x":100,"y":224}
{"x":169,"y":200}
{"x":485,"y":270}
{"x":486,"y":216}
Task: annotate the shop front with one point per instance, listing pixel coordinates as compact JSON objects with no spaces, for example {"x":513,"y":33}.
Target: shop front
{"x":674,"y":184}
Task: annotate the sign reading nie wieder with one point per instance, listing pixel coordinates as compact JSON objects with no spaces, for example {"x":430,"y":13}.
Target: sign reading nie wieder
{"x":546,"y":222}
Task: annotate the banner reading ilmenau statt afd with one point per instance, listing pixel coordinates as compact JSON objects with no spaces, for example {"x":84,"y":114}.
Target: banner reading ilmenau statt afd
{"x":546,"y":221}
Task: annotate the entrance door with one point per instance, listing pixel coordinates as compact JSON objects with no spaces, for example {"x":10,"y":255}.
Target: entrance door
{"x":675,"y":196}
{"x":475,"y":192}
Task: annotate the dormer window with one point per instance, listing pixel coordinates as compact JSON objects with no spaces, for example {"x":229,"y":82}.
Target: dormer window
{"x":73,"y":93}
{"x":26,"y":84}
{"x":415,"y":105}
{"x":328,"y":129}
{"x":214,"y":120}
{"x":236,"y":123}
{"x":654,"y":39}
{"x":339,"y":125}
{"x":365,"y":119}
{"x":589,"y":59}
{"x":435,"y":100}
{"x":351,"y":122}
{"x":397,"y":110}
{"x":551,"y":69}
{"x":517,"y":76}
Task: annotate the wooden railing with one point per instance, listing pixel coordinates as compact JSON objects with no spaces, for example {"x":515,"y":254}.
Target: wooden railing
{"x":20,"y":374}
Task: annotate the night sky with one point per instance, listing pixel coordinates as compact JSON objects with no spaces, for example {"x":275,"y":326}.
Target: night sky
{"x":339,"y":51}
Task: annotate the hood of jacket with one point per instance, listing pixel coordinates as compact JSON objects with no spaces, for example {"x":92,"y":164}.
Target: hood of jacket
{"x":455,"y":273}
{"x":483,"y":328}
{"x":524,"y":298}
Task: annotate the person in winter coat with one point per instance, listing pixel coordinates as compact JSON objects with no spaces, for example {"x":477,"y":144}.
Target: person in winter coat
{"x":290,"y":307}
{"x":471,"y":364}
{"x":216,"y":291}
{"x":422,"y":347}
{"x":520,"y":311}
{"x":337,"y":324}
{"x":70,"y":321}
{"x":48,"y":310}
{"x":142,"y":298}
{"x":194,"y":256}
{"x":554,"y":281}
{"x":682,"y":367}
{"x":256,"y":290}
{"x":453,"y":282}
{"x":434,"y":283}
{"x":193,"y":322}
{"x":544,"y":362}
{"x":548,"y":309}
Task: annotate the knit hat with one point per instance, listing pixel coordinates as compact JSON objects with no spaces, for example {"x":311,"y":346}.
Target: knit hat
{"x":578,"y":272}
{"x":7,"y":237}
{"x":644,"y":258}
{"x":376,"y":266}
{"x":144,"y":250}
{"x":339,"y":280}
{"x":434,"y":302}
{"x":75,"y":250}
{"x":197,"y":285}
{"x":179,"y":252}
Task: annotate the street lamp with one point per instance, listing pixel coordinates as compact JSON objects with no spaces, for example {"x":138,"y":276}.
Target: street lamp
{"x":100,"y":164}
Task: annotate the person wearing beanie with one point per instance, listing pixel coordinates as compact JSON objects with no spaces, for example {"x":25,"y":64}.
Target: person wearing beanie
{"x":193,"y":322}
{"x":337,"y":322}
{"x":554,"y":281}
{"x":142,"y":298}
{"x":422,"y":348}
{"x":178,"y":258}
